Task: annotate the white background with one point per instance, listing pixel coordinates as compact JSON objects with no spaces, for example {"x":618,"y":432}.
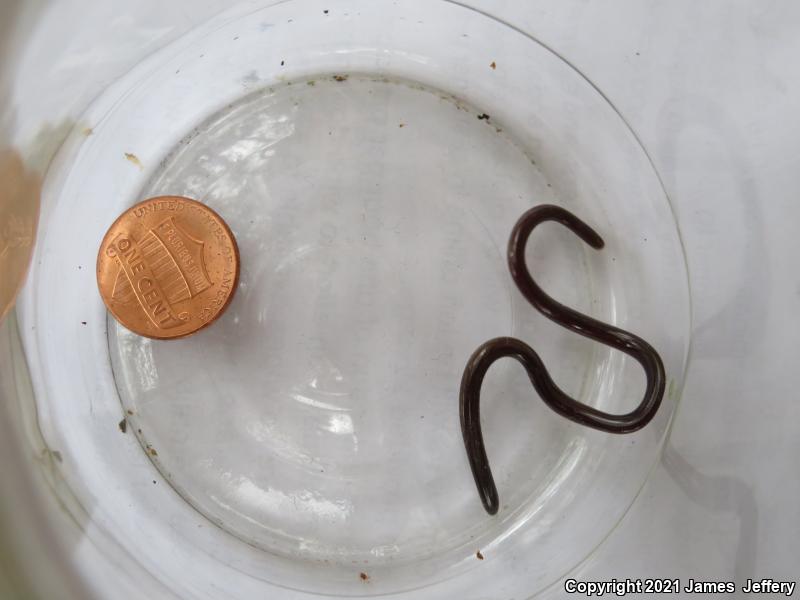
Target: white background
{"x":713,"y":91}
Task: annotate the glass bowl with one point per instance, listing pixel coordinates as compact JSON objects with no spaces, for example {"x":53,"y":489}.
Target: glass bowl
{"x":371,"y":159}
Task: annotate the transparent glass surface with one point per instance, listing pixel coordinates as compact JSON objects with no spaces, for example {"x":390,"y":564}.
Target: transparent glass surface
{"x":371,"y":159}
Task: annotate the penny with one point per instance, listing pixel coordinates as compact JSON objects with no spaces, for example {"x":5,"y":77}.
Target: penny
{"x":167,"y":267}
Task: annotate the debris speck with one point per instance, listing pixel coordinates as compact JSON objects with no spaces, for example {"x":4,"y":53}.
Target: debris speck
{"x":637,"y":54}
{"x":236,"y":38}
{"x":130,"y":412}
{"x":483,"y":117}
{"x":325,"y":11}
{"x":493,"y":65}
{"x":340,"y":77}
{"x":478,"y":555}
{"x":364,"y":576}
{"x":123,"y":426}
{"x":401,"y":125}
{"x":154,"y":481}
{"x":83,"y":322}
{"x":282,"y":62}
{"x":132,"y":158}
{"x":311,"y":83}
{"x":152,"y":451}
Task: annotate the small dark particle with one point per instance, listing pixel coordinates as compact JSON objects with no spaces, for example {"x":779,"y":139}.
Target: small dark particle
{"x":83,"y":322}
{"x":282,"y":63}
{"x":236,"y":38}
{"x":483,"y":117}
{"x":548,"y":185}
{"x":401,"y":125}
{"x":479,"y":555}
{"x":637,"y":54}
{"x":493,"y":65}
{"x":364,"y":576}
{"x":340,"y":77}
{"x":79,"y":267}
{"x":152,"y":451}
{"x":178,"y":71}
{"x":140,"y":431}
{"x":325,"y":11}
{"x":123,"y":426}
{"x":154,"y":481}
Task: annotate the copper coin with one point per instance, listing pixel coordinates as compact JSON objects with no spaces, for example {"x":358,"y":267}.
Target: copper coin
{"x":167,"y":267}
